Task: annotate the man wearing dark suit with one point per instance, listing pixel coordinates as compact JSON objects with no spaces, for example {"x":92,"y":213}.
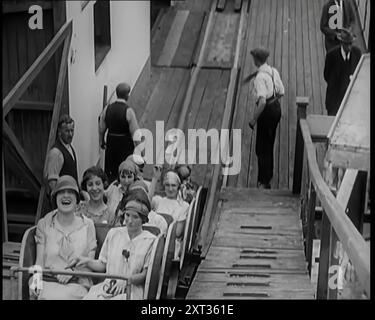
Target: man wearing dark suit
{"x":347,"y":12}
{"x":340,"y":65}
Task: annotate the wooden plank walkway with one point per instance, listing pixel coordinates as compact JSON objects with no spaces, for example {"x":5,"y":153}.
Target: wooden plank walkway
{"x":176,"y":37}
{"x":257,"y":249}
{"x":290,"y":30}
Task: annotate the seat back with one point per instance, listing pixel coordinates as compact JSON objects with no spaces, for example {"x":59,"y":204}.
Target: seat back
{"x":168,"y":255}
{"x":153,"y":229}
{"x":101,"y":230}
{"x":187,"y":233}
{"x":198,"y":200}
{"x":167,"y":218}
{"x":153,"y":271}
{"x":27,"y":259}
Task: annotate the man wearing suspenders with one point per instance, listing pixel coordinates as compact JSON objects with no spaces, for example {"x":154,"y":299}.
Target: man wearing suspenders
{"x":268,"y":88}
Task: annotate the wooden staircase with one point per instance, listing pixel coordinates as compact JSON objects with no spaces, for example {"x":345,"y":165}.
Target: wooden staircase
{"x":257,"y":251}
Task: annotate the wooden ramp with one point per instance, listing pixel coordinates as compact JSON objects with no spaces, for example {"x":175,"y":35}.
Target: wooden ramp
{"x":257,"y":250}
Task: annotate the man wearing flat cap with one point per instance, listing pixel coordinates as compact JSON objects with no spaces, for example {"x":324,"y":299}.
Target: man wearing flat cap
{"x":121,"y":122}
{"x":268,"y":88}
{"x":340,"y":65}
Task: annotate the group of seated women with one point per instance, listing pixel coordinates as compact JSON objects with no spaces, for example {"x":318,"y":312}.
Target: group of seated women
{"x":66,"y":238}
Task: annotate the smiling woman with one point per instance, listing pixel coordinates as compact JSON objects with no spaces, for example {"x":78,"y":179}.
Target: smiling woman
{"x":60,"y":237}
{"x":94,"y":182}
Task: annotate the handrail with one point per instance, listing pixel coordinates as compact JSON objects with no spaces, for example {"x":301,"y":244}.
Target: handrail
{"x":18,"y":269}
{"x":352,"y":241}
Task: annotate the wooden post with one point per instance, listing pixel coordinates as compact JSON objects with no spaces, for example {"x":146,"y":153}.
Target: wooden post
{"x":324,"y":258}
{"x":5,"y":212}
{"x":310,"y":226}
{"x":302,"y":103}
{"x":333,"y":261}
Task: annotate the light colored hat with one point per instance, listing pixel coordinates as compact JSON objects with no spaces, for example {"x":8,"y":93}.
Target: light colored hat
{"x":65,"y":183}
{"x":172,"y":176}
{"x":129,"y":166}
{"x":138,"y":208}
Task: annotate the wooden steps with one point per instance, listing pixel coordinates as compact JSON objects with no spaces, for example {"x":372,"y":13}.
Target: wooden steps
{"x":257,"y":250}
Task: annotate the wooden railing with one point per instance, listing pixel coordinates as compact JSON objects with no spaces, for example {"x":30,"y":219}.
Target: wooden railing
{"x":338,"y":213}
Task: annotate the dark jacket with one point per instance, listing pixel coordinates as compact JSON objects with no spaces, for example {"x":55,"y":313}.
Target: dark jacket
{"x":337,"y":74}
{"x":330,"y":34}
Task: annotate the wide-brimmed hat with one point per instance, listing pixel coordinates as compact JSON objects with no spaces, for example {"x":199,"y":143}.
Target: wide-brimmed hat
{"x":260,"y":54}
{"x":346,"y":36}
{"x":139,"y":208}
{"x":65,"y":183}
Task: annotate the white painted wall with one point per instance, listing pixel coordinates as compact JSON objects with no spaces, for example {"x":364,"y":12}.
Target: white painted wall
{"x":130,"y":49}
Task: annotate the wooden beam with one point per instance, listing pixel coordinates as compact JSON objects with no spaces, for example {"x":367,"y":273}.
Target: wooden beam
{"x":310,"y":226}
{"x":33,"y":105}
{"x":22,"y":84}
{"x":5,"y":212}
{"x":15,"y":164}
{"x":302,"y":103}
{"x":21,"y":152}
{"x":325,"y":238}
{"x":56,"y":110}
{"x":319,"y":126}
{"x":22,"y":6}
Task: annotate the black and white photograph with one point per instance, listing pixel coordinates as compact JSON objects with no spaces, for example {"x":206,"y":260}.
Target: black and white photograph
{"x":204,"y":152}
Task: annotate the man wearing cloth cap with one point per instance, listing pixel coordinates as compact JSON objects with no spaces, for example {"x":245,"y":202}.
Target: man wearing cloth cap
{"x":121,"y":122}
{"x":340,"y":64}
{"x":344,"y":11}
{"x":268,"y":88}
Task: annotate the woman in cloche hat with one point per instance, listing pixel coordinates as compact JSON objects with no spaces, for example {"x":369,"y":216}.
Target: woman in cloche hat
{"x":126,"y":251}
{"x":61,"y":236}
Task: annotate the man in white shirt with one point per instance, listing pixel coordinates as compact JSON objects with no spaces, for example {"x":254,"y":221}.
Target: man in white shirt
{"x":268,"y":88}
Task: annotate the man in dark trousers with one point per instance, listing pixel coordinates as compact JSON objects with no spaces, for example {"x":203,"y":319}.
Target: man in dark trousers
{"x":62,"y":159}
{"x":268,"y":88}
{"x":340,"y":65}
{"x":121,"y":122}
{"x":345,"y":10}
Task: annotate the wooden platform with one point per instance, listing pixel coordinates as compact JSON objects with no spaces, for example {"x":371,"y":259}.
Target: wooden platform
{"x":257,"y":249}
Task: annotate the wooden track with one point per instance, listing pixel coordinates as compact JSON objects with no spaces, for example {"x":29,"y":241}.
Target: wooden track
{"x":257,"y":250}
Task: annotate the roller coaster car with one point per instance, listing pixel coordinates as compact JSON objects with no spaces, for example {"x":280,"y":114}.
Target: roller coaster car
{"x":28,"y":257}
{"x":169,"y":286}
